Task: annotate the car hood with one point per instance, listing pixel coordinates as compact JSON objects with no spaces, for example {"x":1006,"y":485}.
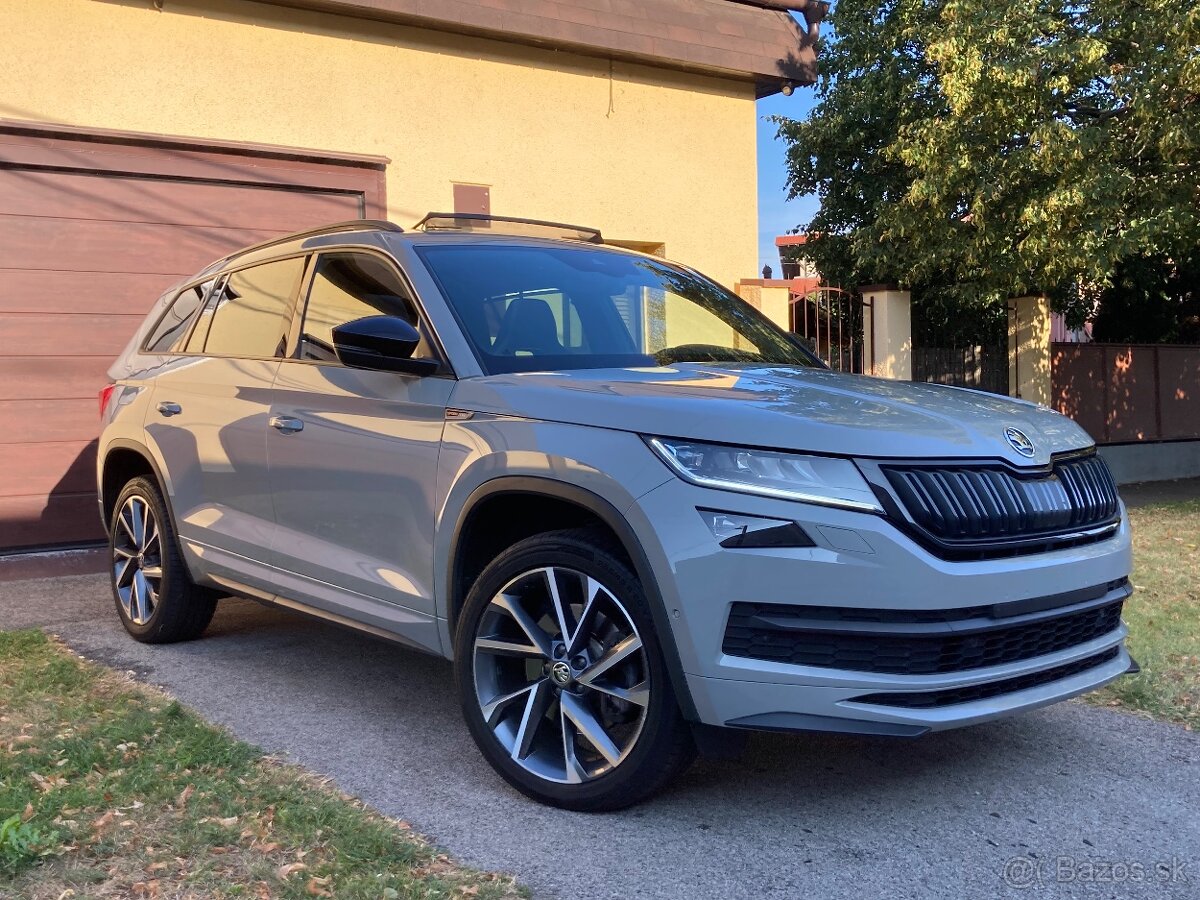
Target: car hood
{"x":783,"y":407}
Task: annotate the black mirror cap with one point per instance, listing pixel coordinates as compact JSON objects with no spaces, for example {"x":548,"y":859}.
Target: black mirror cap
{"x":386,"y":343}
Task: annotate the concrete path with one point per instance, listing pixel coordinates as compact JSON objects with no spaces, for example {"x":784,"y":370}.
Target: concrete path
{"x":1153,"y":493}
{"x":1088,"y":802}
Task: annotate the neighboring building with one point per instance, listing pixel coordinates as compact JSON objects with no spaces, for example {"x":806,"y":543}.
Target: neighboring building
{"x":1059,"y":332}
{"x":143,"y":139}
{"x":794,"y":268}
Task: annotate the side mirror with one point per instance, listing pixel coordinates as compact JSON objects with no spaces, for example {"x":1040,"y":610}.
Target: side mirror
{"x":386,"y":343}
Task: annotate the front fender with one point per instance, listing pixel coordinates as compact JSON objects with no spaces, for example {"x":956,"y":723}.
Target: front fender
{"x":600,"y":470}
{"x":615,"y":467}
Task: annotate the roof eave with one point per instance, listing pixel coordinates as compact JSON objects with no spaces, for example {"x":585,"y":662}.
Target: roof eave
{"x":769,"y":75}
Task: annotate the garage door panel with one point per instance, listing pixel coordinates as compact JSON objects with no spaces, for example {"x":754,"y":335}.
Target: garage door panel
{"x":50,"y":335}
{"x":169,"y":202}
{"x":25,"y":152}
{"x":77,"y":245}
{"x":48,"y":468}
{"x":72,"y":292}
{"x":33,"y":421}
{"x":45,"y":377}
{"x":43,"y":521}
{"x":94,"y":227}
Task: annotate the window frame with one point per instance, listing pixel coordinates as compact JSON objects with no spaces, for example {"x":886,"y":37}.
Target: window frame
{"x":424,"y":324}
{"x":195,"y":317}
{"x":289,"y":315}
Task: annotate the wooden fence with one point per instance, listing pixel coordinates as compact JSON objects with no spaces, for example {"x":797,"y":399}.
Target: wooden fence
{"x":982,"y":368}
{"x":1124,"y":393}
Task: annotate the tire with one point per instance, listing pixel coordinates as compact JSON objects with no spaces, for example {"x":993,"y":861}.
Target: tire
{"x":603,"y":736}
{"x":144,"y":552}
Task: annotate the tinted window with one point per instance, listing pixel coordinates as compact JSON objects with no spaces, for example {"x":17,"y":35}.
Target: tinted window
{"x":346,"y":287}
{"x":172,"y":328}
{"x":565,"y":307}
{"x":195,"y":342}
{"x":252,"y":310}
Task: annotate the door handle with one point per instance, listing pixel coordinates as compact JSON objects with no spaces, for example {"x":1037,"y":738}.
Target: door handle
{"x":168,"y":408}
{"x":286,"y":425}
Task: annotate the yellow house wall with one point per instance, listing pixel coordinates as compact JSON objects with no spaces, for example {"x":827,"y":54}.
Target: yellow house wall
{"x":644,"y":154}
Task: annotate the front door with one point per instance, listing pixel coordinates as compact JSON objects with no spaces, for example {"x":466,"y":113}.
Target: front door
{"x":353,"y":457}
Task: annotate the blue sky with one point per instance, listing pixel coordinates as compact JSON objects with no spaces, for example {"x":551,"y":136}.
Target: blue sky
{"x":777,"y":215}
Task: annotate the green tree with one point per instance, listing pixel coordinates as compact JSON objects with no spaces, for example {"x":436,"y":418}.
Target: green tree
{"x":993,"y":149}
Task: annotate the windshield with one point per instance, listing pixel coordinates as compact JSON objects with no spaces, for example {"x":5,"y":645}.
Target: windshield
{"x":538,"y":308}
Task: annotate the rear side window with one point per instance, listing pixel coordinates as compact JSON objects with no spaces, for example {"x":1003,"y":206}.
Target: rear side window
{"x":251,"y":314}
{"x":169,"y":334}
{"x":346,"y":287}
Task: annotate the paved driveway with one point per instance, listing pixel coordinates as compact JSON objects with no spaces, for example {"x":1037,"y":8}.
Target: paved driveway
{"x":1088,"y":796}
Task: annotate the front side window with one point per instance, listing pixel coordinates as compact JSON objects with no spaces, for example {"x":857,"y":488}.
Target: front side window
{"x":346,"y":287}
{"x":251,"y":312}
{"x":534,"y":308}
{"x":169,"y":334}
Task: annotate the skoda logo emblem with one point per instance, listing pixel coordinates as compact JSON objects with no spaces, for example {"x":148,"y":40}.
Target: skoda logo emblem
{"x":560,"y":672}
{"x":1018,"y":441}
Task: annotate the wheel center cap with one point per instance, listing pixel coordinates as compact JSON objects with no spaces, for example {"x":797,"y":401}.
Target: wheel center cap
{"x":560,"y":673}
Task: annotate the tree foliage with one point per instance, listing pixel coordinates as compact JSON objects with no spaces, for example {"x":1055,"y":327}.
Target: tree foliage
{"x":997,"y":149}
{"x":1150,"y":299}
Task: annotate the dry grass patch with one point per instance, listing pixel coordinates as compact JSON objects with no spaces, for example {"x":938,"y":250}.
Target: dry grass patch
{"x":1163,"y":616}
{"x":111,"y":789}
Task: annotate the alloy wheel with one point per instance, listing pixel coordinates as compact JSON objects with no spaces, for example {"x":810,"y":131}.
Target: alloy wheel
{"x":137,"y":560}
{"x":561,"y":675}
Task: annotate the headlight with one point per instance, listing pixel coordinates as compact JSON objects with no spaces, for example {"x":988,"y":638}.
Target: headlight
{"x":823,"y":480}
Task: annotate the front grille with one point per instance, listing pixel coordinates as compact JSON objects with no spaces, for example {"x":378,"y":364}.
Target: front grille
{"x":990,"y":509}
{"x":953,"y":696}
{"x":756,"y":631}
{"x":905,"y":642}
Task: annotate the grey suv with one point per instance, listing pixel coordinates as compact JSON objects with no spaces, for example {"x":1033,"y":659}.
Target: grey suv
{"x":639,"y":517}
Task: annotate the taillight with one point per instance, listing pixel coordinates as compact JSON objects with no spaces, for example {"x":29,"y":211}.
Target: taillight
{"x":106,"y":393}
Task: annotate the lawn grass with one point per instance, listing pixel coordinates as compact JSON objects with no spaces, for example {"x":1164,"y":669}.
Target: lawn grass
{"x":1163,"y":616}
{"x":111,"y":789}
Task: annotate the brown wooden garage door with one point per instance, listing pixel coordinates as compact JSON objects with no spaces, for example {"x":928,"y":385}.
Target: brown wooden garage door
{"x":93,"y":227}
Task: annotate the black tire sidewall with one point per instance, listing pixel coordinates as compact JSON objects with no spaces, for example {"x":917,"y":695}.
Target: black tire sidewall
{"x":635,"y":777}
{"x":169,"y":558}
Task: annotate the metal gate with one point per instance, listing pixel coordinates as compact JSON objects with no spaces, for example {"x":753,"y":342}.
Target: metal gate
{"x":983,"y":367}
{"x":830,"y":321}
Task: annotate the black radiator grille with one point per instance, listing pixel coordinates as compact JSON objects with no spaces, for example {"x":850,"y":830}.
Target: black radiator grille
{"x":970,"y":693}
{"x":779,"y":633}
{"x":991,"y":507}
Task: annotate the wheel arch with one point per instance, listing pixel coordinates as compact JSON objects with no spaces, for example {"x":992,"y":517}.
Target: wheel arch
{"x":124,"y":460}
{"x":590,"y":506}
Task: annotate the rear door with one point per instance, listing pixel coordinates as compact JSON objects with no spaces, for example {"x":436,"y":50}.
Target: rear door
{"x":354,"y":458}
{"x":209,"y":418}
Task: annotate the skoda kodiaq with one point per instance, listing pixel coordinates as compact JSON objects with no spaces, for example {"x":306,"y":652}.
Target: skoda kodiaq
{"x":636,"y":514}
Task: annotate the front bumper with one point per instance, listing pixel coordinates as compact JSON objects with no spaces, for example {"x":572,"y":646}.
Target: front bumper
{"x":859,"y":561}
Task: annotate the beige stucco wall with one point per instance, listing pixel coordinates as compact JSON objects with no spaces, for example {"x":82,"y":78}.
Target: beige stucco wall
{"x":1029,"y":349}
{"x":773,"y":301}
{"x":647,"y":156}
{"x":887,"y":334}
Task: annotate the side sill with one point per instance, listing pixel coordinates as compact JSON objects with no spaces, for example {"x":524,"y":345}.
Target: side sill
{"x":312,"y":612}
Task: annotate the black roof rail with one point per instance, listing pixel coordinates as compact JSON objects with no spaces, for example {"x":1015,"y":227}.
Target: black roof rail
{"x":444,"y":221}
{"x":335,"y":228}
